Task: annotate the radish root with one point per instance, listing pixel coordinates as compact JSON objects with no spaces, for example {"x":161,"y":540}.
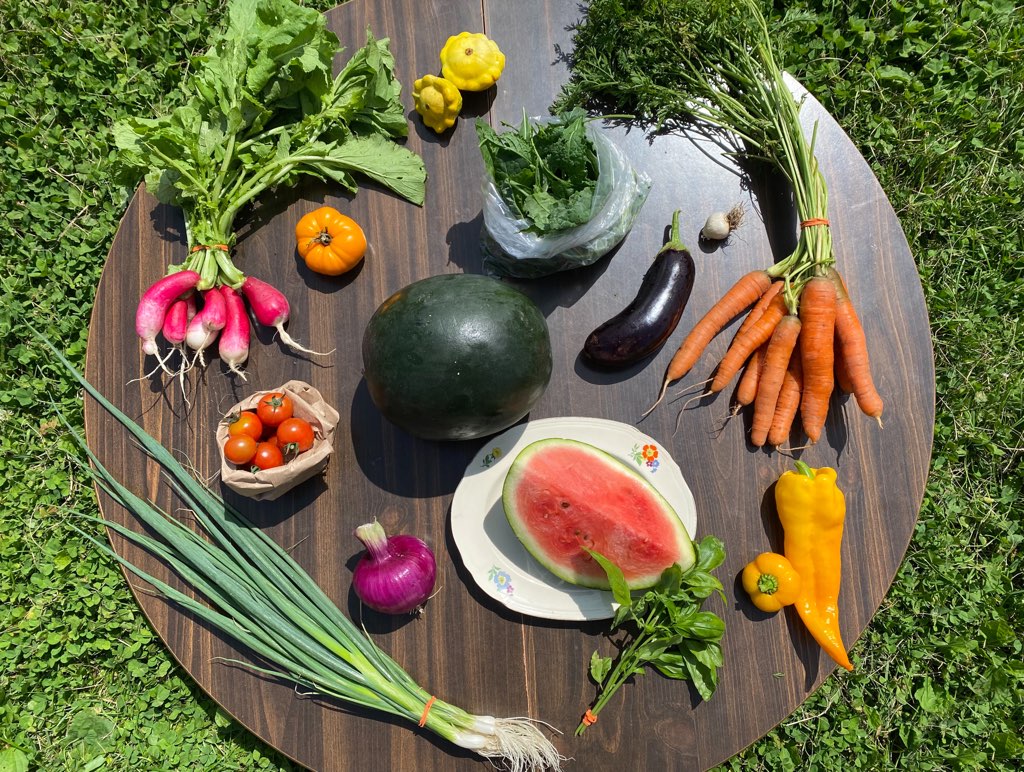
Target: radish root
{"x":290,"y":342}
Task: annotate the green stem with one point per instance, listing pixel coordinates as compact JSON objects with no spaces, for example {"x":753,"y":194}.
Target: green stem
{"x":174,"y":164}
{"x":675,"y":241}
{"x":625,"y":666}
{"x":254,"y":186}
{"x":261,"y":137}
{"x":229,"y":157}
{"x":804,"y":469}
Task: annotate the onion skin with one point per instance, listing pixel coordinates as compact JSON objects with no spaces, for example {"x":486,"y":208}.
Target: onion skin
{"x":396,"y":574}
{"x":716,"y":228}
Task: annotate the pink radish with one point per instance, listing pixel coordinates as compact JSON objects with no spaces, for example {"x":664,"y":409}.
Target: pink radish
{"x":207,"y":323}
{"x":175,"y":327}
{"x":149,"y":317}
{"x":176,"y":322}
{"x":270,"y":307}
{"x":234,"y":340}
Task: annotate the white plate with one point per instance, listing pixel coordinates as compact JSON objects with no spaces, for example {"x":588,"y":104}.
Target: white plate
{"x":494,"y":555}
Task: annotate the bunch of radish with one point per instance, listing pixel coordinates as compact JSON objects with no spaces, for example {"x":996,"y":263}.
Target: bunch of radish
{"x":193,"y":319}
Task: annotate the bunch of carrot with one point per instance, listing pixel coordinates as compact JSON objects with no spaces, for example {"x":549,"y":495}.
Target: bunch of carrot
{"x":727,"y":72}
{"x":800,"y":339}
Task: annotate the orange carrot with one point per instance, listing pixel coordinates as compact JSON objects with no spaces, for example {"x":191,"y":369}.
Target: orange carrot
{"x":746,"y":392}
{"x":740,"y":296}
{"x":762,"y":304}
{"x":843,"y":382}
{"x":776,"y":362}
{"x":854,"y":348}
{"x":818,"y":317}
{"x":789,"y":401}
{"x":743,"y":345}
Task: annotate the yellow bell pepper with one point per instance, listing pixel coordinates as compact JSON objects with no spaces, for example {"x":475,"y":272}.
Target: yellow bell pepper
{"x":472,"y":61}
{"x":812,"y":510}
{"x":438,"y":101}
{"x":771,"y":581}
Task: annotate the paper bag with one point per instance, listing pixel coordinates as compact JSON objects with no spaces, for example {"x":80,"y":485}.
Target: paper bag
{"x":268,"y":484}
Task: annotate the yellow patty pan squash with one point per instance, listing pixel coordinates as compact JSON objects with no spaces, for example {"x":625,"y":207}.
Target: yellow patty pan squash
{"x":472,"y":61}
{"x":438,"y":101}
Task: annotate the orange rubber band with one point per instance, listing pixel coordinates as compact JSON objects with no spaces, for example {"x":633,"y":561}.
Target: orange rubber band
{"x":589,"y":719}
{"x":814,"y":221}
{"x":426,"y":710}
{"x":221,"y":247}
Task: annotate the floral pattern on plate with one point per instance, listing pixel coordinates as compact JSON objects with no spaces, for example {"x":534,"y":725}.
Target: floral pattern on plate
{"x":502,"y":580}
{"x":491,"y":457}
{"x":645,"y":456}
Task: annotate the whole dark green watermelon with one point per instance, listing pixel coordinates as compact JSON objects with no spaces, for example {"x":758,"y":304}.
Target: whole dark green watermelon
{"x":456,"y":356}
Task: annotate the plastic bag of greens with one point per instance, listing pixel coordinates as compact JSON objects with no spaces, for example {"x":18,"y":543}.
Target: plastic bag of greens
{"x":559,"y":194}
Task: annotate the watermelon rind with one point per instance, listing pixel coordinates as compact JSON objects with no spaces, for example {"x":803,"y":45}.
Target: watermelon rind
{"x":456,"y":357}
{"x":552,"y":512}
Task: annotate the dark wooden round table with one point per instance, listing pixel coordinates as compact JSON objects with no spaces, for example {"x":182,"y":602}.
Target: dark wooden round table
{"x":466,"y":648}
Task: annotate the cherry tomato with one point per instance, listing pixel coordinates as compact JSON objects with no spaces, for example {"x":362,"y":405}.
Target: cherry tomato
{"x":267,"y":456}
{"x":240,"y":449}
{"x":295,"y":435}
{"x":274,"y":408}
{"x":246,"y":422}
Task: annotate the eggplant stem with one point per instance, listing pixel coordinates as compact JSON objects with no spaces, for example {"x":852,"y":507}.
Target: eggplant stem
{"x":674,"y":242}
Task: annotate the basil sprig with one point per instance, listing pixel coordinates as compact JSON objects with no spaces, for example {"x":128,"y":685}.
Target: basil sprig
{"x":665,"y":628}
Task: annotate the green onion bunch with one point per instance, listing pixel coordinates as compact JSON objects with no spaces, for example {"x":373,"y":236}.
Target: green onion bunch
{"x":259,"y":596}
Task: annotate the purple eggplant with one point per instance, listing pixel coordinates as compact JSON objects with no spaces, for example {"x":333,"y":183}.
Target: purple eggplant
{"x":647,"y":322}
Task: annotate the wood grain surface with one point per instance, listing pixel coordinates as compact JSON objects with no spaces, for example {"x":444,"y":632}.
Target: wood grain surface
{"x":466,"y":648}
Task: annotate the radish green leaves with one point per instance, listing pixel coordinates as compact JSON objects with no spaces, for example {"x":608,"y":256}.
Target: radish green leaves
{"x":262,"y":109}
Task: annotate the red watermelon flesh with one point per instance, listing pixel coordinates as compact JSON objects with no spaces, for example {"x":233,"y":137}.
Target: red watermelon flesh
{"x":560,"y":495}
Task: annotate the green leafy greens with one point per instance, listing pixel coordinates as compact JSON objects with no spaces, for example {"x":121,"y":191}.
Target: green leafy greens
{"x":667,"y":629}
{"x":714,"y":61}
{"x":262,"y":109}
{"x":545,"y":172}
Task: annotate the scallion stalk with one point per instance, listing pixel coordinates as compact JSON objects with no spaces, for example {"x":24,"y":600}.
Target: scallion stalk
{"x":258,"y":595}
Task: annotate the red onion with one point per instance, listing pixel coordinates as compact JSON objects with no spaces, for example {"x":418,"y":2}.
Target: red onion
{"x":396,"y":574}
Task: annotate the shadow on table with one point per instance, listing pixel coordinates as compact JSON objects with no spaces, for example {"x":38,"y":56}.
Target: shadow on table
{"x":266,"y":514}
{"x":399,"y":463}
{"x":557,"y":290}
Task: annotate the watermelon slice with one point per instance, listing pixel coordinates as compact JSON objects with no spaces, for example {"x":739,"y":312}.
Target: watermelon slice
{"x":562,"y":494}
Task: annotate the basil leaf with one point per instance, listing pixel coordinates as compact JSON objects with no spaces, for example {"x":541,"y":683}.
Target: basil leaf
{"x":671,"y":664}
{"x":670,"y":581}
{"x":710,"y":553}
{"x":620,"y":590}
{"x":706,"y":626}
{"x":703,"y":676}
{"x":600,"y":667}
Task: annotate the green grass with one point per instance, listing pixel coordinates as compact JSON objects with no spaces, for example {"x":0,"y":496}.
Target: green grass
{"x":933,"y":95}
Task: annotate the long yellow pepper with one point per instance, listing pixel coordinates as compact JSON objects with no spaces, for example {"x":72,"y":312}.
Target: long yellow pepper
{"x":812,"y":509}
